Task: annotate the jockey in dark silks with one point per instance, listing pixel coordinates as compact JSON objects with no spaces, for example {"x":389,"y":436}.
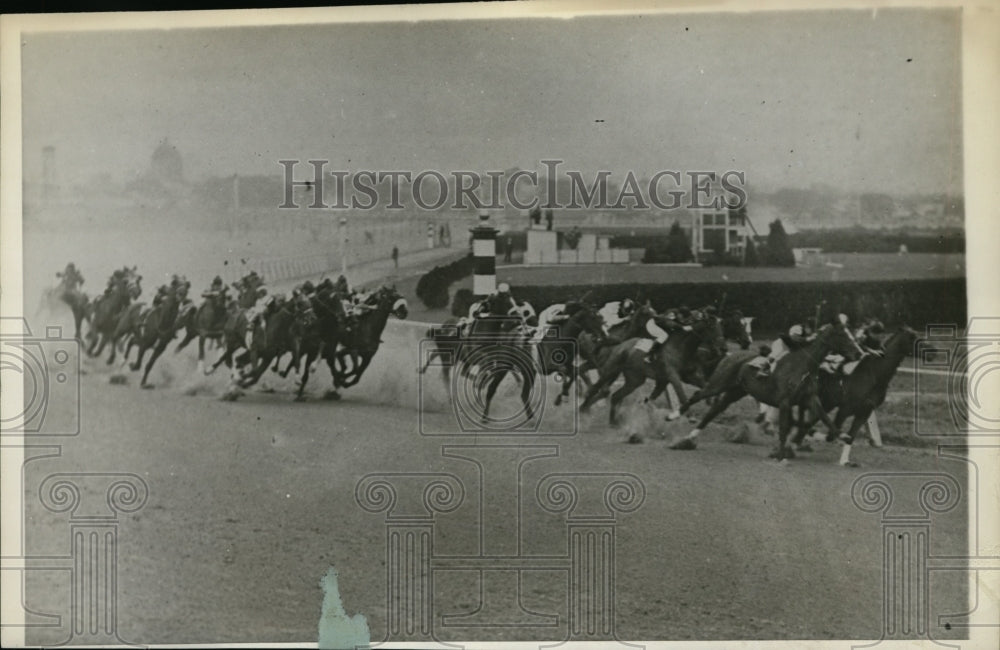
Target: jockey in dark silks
{"x":217,"y":290}
{"x":869,"y":335}
{"x":70,"y":278}
{"x":501,"y":298}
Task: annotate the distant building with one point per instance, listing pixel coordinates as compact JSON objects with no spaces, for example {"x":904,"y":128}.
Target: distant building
{"x":808,"y":256}
{"x":717,"y":228}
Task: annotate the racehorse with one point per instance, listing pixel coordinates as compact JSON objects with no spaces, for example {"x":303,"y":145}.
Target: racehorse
{"x":272,"y":338}
{"x":361,"y":341}
{"x":594,"y":351}
{"x":858,"y":394}
{"x":793,"y":382}
{"x":158,"y":328}
{"x":501,"y":329}
{"x":453,"y":346}
{"x":108,"y":308}
{"x":676,"y":362}
{"x":210,"y":319}
{"x":558,"y":354}
{"x":328,"y":328}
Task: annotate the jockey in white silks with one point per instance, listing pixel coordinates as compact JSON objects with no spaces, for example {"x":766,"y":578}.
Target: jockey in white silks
{"x":551,"y":315}
{"x":612,"y":314}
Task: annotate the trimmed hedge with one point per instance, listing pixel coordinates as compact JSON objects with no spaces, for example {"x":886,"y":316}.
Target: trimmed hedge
{"x":432,"y":288}
{"x":461,"y":302}
{"x":776,"y":305}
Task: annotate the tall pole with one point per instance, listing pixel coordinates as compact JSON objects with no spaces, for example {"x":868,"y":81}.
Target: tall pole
{"x":343,"y":246}
{"x":484,"y":252}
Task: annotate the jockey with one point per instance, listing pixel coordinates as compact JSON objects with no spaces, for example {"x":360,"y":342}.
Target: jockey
{"x":342,"y":287}
{"x":799,"y":334}
{"x":481,"y":308}
{"x":116,"y":276}
{"x":71,"y":278}
{"x":305,"y":289}
{"x":616,"y":312}
{"x":217,"y":290}
{"x":868,"y":335}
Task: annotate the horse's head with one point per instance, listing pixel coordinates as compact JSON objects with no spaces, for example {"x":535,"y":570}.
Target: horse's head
{"x":133,"y":286}
{"x":389,"y":299}
{"x":903,"y":341}
{"x":836,"y":337}
{"x":708,"y":329}
{"x":590,"y":322}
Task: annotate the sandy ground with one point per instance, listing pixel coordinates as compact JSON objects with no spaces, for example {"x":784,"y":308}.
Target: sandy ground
{"x":251,"y":501}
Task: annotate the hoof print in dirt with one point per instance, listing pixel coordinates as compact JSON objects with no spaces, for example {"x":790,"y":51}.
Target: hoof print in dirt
{"x":634,"y":439}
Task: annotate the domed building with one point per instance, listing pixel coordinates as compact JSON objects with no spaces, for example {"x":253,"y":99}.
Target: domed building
{"x":166,"y":163}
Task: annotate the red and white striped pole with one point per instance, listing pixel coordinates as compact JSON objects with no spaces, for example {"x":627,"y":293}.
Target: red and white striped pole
{"x":484,"y":253}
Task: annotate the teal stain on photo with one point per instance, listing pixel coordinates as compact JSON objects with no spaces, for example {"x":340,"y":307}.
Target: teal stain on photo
{"x":337,"y":630}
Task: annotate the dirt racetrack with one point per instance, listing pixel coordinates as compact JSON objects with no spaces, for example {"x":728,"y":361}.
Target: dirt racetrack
{"x":251,"y":501}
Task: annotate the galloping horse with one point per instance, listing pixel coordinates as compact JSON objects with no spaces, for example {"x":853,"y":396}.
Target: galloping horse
{"x":792,"y":383}
{"x":68,"y":292}
{"x":675,"y":362}
{"x":559,"y":354}
{"x":361,"y":341}
{"x":158,"y":327}
{"x":500,"y":329}
{"x":272,"y":337}
{"x":324,"y":334}
{"x":210,"y":320}
{"x":858,"y":394}
{"x":108,"y":307}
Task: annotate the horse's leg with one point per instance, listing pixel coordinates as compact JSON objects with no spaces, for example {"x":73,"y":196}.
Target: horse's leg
{"x":143,"y":346}
{"x":721,"y":404}
{"x":784,"y":425}
{"x":161,"y":345}
{"x":187,"y":339}
{"x":362,"y":364}
{"x":633,"y":380}
{"x":226,"y":357}
{"x":299,"y":397}
{"x":77,"y":321}
{"x":675,"y":381}
{"x":491,"y":390}
{"x":568,"y":372}
{"x":860,"y":418}
{"x":595,"y":390}
{"x":833,"y":427}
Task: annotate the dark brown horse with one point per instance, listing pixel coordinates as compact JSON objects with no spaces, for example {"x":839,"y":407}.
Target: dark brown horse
{"x":858,"y":394}
{"x":558,"y":353}
{"x":158,"y":328}
{"x":108,"y":309}
{"x":272,"y":337}
{"x":361,"y":340}
{"x":792,"y":383}
{"x":324,"y":334}
{"x":676,"y":362}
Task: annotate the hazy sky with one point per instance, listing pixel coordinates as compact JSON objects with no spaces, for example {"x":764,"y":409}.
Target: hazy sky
{"x":854,"y":99}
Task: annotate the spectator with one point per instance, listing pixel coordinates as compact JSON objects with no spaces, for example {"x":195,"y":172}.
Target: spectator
{"x":508,"y":249}
{"x":395,"y":256}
